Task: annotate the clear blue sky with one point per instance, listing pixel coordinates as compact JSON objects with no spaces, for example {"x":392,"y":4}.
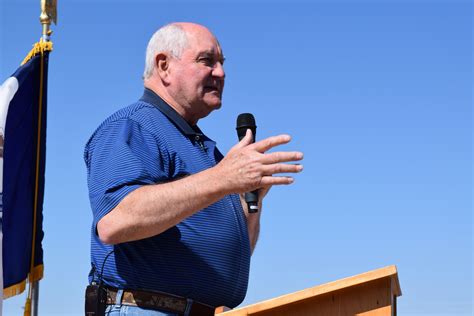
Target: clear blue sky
{"x":377,"y":94}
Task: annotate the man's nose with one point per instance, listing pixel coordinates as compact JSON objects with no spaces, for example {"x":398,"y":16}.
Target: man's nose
{"x":218,"y":70}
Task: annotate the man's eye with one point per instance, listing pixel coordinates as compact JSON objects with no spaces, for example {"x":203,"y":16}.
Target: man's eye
{"x":206,"y":60}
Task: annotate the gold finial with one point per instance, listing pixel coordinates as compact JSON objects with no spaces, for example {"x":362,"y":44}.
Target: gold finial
{"x":48,"y":15}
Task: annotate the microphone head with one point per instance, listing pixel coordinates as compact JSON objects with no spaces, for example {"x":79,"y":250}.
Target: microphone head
{"x":245,"y":121}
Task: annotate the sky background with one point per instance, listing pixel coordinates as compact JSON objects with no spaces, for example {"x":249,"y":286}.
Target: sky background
{"x":377,"y":94}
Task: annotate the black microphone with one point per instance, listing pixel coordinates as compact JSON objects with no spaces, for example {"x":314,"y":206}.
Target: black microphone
{"x":246,"y":121}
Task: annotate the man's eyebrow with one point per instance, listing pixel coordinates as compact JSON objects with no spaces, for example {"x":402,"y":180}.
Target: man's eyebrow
{"x":206,"y":53}
{"x":212,"y":53}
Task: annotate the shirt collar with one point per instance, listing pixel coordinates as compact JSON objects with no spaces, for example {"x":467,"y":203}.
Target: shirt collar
{"x":151,"y":97}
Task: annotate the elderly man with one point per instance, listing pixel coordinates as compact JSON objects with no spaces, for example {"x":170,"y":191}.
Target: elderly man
{"x":171,"y":234}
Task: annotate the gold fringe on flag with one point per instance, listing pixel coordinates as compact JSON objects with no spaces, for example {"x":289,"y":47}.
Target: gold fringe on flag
{"x":38,"y":48}
{"x":35,"y":275}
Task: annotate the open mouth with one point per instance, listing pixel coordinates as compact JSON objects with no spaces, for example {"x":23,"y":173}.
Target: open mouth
{"x":212,"y":89}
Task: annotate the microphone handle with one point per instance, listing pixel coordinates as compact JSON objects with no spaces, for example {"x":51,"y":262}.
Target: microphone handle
{"x":251,"y":197}
{"x":252,"y":201}
{"x":247,"y":121}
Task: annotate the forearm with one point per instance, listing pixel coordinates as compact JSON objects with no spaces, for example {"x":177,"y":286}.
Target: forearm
{"x":152,"y":209}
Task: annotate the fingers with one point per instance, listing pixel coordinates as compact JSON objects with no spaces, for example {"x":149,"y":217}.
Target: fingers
{"x":247,"y":140}
{"x":281,"y":168}
{"x":282,"y":156}
{"x":268,"y":180}
{"x":248,"y":167}
{"x":270,"y":142}
{"x":262,"y":192}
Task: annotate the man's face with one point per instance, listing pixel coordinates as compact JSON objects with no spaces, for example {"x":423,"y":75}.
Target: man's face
{"x":197,"y":77}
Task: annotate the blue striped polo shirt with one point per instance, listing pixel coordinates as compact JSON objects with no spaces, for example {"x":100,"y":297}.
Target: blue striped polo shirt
{"x":205,"y":257}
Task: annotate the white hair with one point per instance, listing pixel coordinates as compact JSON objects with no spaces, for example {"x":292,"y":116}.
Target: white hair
{"x":171,"y":39}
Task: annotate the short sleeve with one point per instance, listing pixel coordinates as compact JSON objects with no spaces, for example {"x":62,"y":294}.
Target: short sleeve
{"x":121,"y":157}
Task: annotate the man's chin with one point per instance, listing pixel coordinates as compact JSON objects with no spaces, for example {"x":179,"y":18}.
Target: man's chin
{"x":214,"y":103}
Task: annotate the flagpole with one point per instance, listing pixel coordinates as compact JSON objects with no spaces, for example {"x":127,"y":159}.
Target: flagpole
{"x":48,"y":15}
{"x":35,"y":298}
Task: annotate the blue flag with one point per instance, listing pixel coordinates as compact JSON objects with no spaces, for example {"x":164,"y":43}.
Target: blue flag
{"x":23,"y":133}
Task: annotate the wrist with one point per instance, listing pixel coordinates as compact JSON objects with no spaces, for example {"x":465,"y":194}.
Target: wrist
{"x":217,"y":179}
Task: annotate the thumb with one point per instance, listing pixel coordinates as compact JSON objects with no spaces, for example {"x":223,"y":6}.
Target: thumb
{"x":247,"y":140}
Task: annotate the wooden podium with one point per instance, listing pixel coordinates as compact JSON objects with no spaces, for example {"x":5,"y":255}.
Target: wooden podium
{"x":373,"y":293}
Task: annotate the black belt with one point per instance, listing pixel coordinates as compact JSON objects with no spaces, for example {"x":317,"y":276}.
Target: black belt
{"x":161,"y":301}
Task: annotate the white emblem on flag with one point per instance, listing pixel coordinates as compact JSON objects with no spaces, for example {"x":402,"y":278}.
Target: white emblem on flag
{"x":7,"y":91}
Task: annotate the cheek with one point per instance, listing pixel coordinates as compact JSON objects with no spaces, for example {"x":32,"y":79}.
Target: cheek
{"x":194,"y":80}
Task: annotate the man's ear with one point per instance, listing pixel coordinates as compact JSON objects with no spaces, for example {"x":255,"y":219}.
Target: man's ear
{"x":162,"y":64}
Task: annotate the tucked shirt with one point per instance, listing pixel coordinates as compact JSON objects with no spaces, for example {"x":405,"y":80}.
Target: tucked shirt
{"x":205,"y":257}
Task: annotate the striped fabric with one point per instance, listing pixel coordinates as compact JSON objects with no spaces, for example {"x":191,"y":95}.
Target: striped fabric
{"x":205,"y":257}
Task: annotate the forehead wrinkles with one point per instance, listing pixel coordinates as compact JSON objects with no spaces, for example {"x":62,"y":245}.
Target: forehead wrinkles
{"x":202,"y":42}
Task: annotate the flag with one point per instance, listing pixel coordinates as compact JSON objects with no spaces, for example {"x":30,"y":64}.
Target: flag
{"x":22,"y":146}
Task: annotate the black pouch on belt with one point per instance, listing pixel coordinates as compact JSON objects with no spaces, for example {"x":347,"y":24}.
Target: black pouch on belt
{"x":96,"y":299}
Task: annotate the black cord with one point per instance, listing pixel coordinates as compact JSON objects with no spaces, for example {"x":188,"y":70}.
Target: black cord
{"x":101,"y":281}
{"x":94,"y":269}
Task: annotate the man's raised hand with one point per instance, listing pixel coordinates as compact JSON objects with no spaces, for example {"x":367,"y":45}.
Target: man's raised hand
{"x":247,"y":166}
